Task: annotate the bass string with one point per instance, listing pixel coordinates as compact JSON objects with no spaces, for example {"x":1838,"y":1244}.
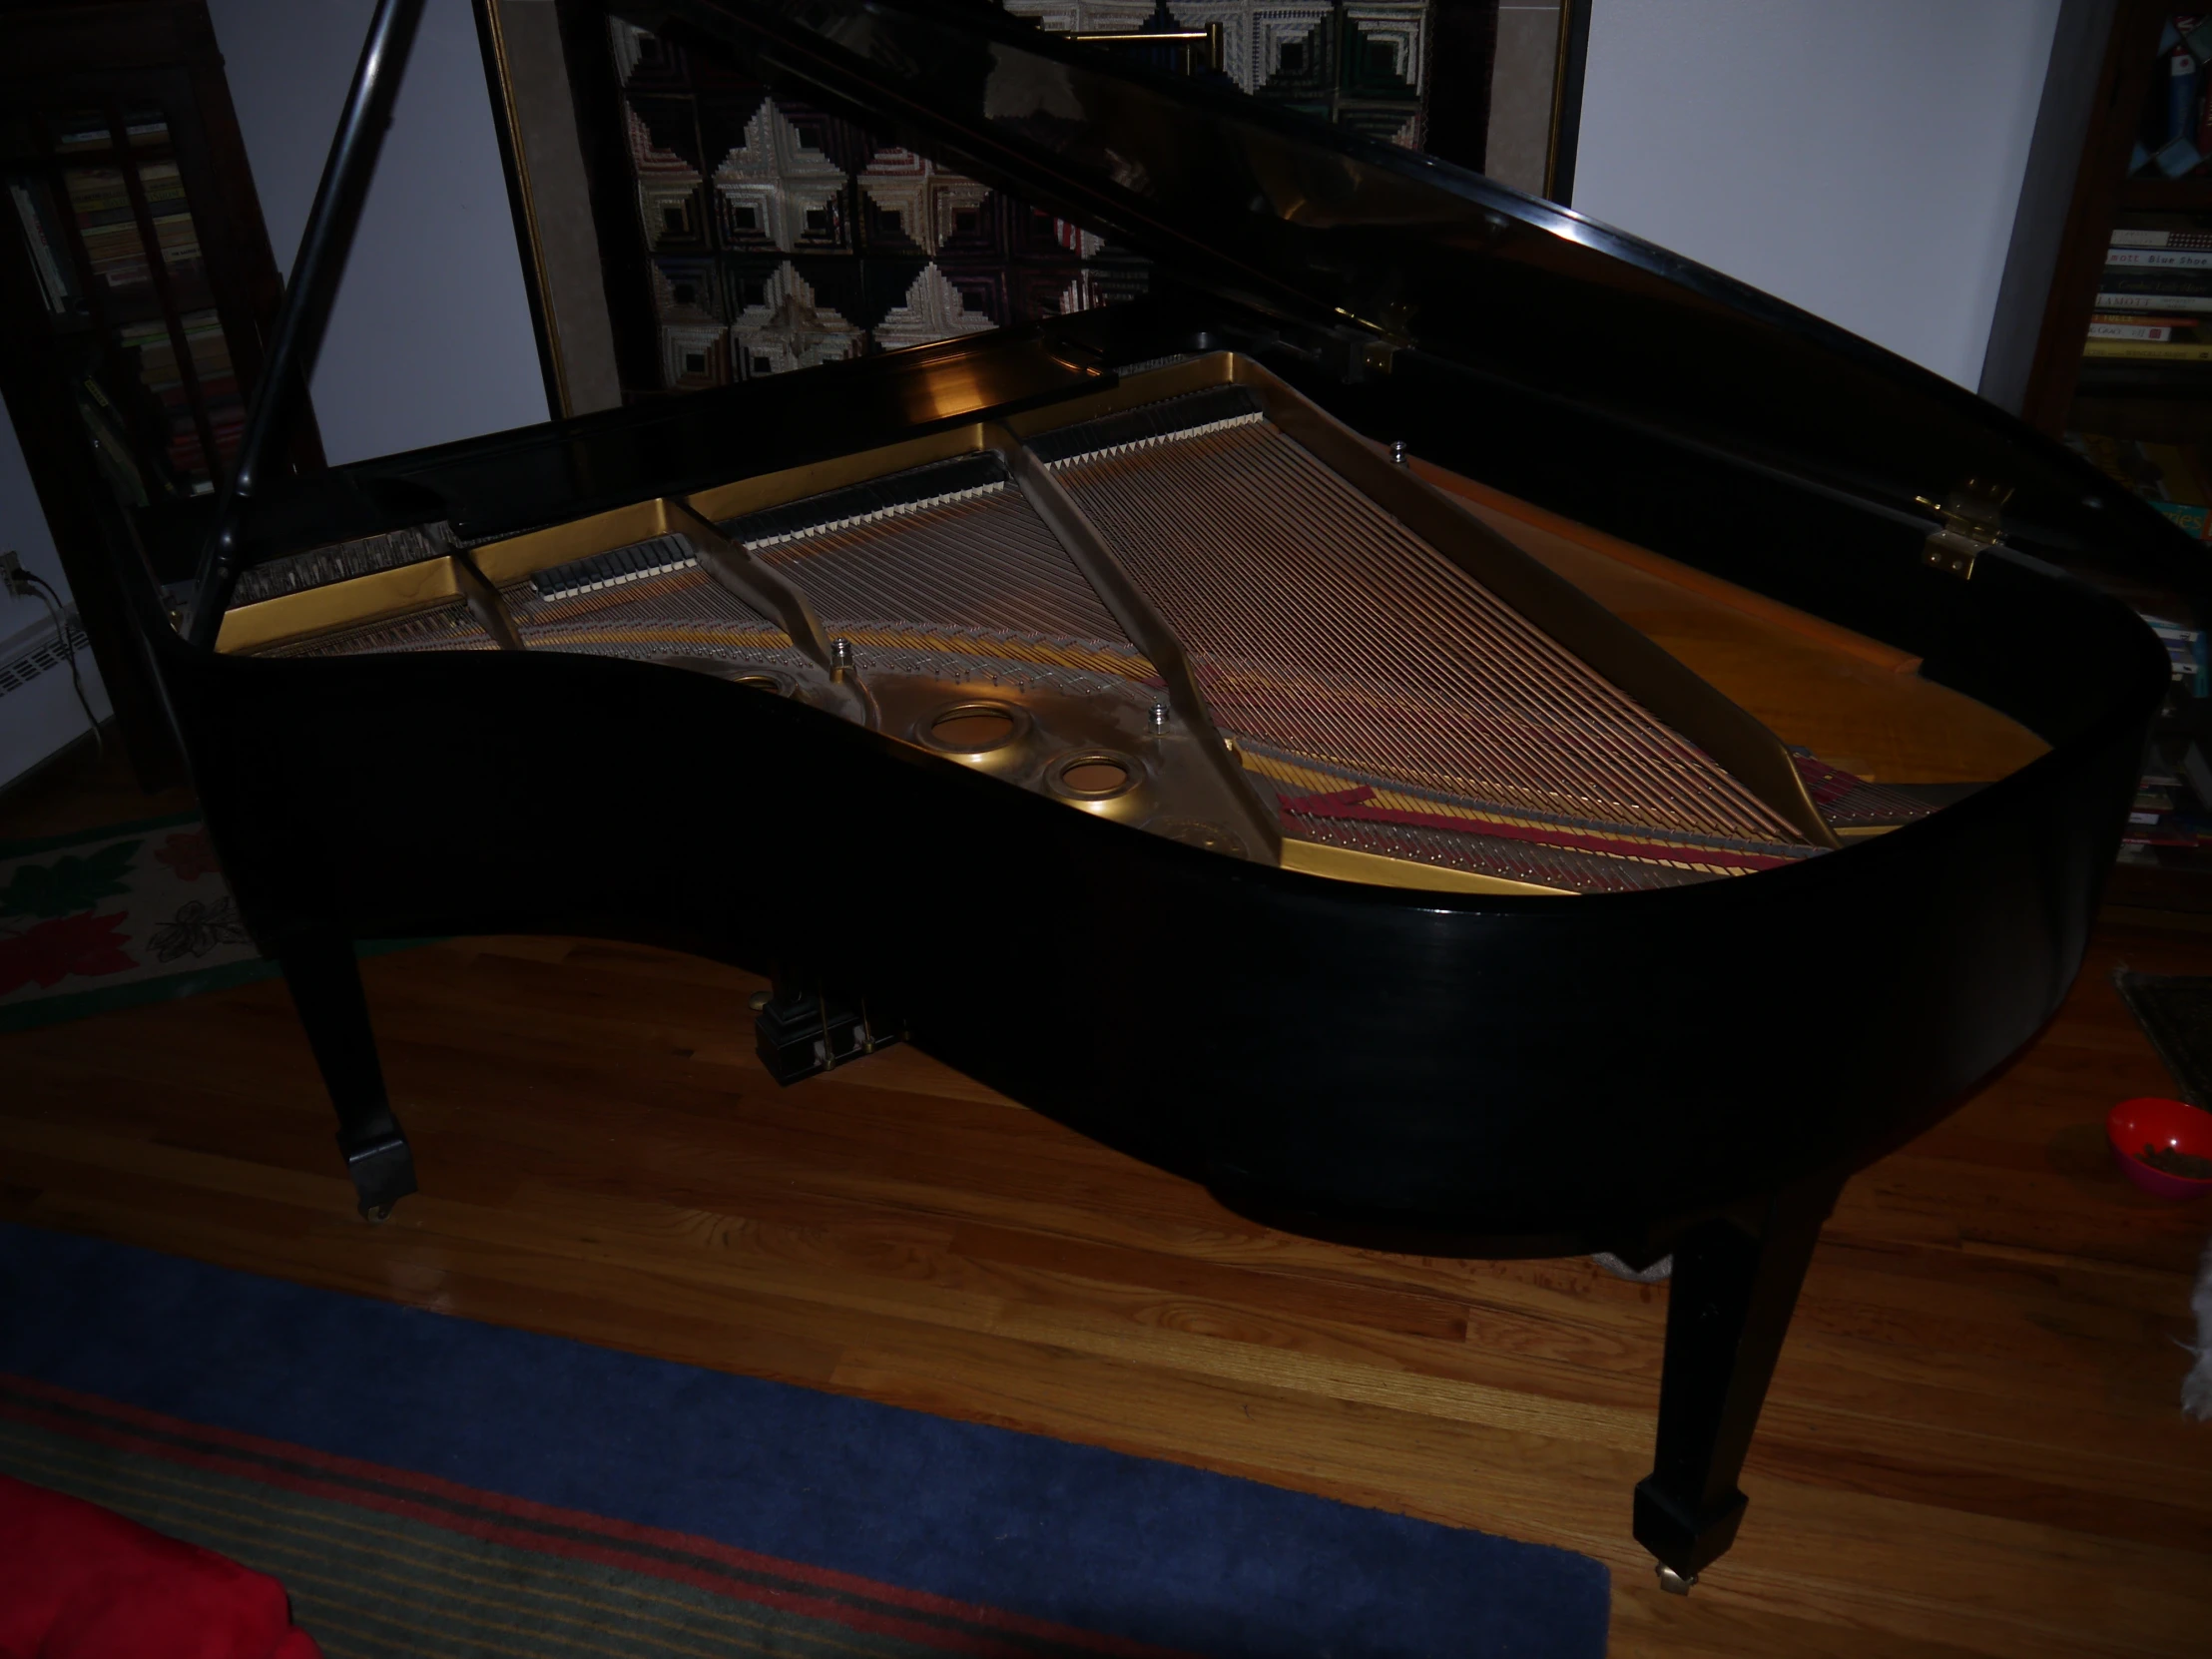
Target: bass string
{"x":1227,"y":533}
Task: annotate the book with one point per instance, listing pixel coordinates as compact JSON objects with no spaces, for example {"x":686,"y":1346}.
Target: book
{"x":2199,"y":774}
{"x":54,"y":287}
{"x":2179,"y":104}
{"x":2133,"y":280}
{"x":2104,"y":328}
{"x":2164,"y":829}
{"x":2186,"y":657}
{"x":2154,"y":302}
{"x":2179,"y":262}
{"x":2158,"y":259}
{"x":2162,"y":238}
{"x":2173,"y":478}
{"x":2170,"y":351}
{"x":2179,"y":159}
{"x":2191,"y":517}
{"x":2158,"y":836}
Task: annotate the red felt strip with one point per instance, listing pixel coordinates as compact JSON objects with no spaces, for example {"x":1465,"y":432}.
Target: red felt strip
{"x":1826,"y":784}
{"x":1351,"y":803}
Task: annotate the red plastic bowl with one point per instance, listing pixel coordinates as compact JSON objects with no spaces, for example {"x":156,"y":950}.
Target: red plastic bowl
{"x":2150,"y":1121}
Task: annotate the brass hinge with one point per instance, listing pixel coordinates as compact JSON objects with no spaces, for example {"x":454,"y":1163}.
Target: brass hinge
{"x":1970,"y":525}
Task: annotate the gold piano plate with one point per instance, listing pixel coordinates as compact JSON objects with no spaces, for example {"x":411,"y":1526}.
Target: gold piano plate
{"x":1192,"y":602}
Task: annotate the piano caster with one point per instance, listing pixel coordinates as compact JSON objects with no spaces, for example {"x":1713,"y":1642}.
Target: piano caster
{"x":383,"y":1172}
{"x":1674,"y":1583}
{"x":800,"y":1033}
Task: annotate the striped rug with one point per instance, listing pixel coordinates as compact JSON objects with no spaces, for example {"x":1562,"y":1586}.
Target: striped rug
{"x":382,"y":1562}
{"x":429,"y":1485}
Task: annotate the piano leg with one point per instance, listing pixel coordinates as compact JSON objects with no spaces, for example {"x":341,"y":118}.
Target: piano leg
{"x":326,"y":985}
{"x":1736,"y":1282}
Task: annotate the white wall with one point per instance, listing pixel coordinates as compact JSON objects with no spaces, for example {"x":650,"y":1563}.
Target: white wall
{"x":1862,"y":159}
{"x":44,"y":717}
{"x":23,"y":528}
{"x":430,"y":340}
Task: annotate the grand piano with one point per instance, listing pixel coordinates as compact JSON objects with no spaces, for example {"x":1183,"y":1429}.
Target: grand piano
{"x":1454,"y":727}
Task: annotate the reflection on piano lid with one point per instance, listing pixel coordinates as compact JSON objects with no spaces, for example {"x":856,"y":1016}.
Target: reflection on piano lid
{"x":1193,"y":603}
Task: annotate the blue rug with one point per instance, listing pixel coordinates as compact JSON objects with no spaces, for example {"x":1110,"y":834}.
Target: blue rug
{"x":110,"y":1353}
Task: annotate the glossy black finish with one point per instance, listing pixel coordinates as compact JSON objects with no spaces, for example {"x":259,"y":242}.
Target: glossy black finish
{"x":1557,"y":1073}
{"x":325,"y":986}
{"x":1735,"y":1284}
{"x":1695,"y":1068}
{"x":507,"y":482}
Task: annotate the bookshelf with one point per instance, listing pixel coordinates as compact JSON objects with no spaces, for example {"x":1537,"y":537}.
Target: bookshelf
{"x":136,"y":287}
{"x":2123,"y":374}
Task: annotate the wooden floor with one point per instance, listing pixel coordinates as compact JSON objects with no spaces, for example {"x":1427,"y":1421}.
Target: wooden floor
{"x":1974,"y":1444}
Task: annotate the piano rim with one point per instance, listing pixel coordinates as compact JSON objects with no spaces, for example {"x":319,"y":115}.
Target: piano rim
{"x":2053,"y":825}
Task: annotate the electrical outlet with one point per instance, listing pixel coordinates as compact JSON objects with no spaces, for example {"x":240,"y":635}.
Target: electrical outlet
{"x":11,"y":573}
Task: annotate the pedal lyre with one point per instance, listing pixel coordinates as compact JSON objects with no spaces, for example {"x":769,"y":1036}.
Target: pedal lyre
{"x":800,"y":1033}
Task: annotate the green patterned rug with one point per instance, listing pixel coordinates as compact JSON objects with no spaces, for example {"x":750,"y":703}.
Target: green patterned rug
{"x":105,"y":918}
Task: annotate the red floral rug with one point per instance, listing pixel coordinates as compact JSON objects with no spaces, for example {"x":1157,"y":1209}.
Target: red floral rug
{"x":132,"y":914}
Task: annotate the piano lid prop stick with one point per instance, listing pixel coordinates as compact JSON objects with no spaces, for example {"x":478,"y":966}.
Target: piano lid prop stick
{"x":306,"y":308}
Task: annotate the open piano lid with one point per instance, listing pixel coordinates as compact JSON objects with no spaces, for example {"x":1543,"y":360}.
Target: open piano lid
{"x":1368,"y":259}
{"x":1500,"y":337}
